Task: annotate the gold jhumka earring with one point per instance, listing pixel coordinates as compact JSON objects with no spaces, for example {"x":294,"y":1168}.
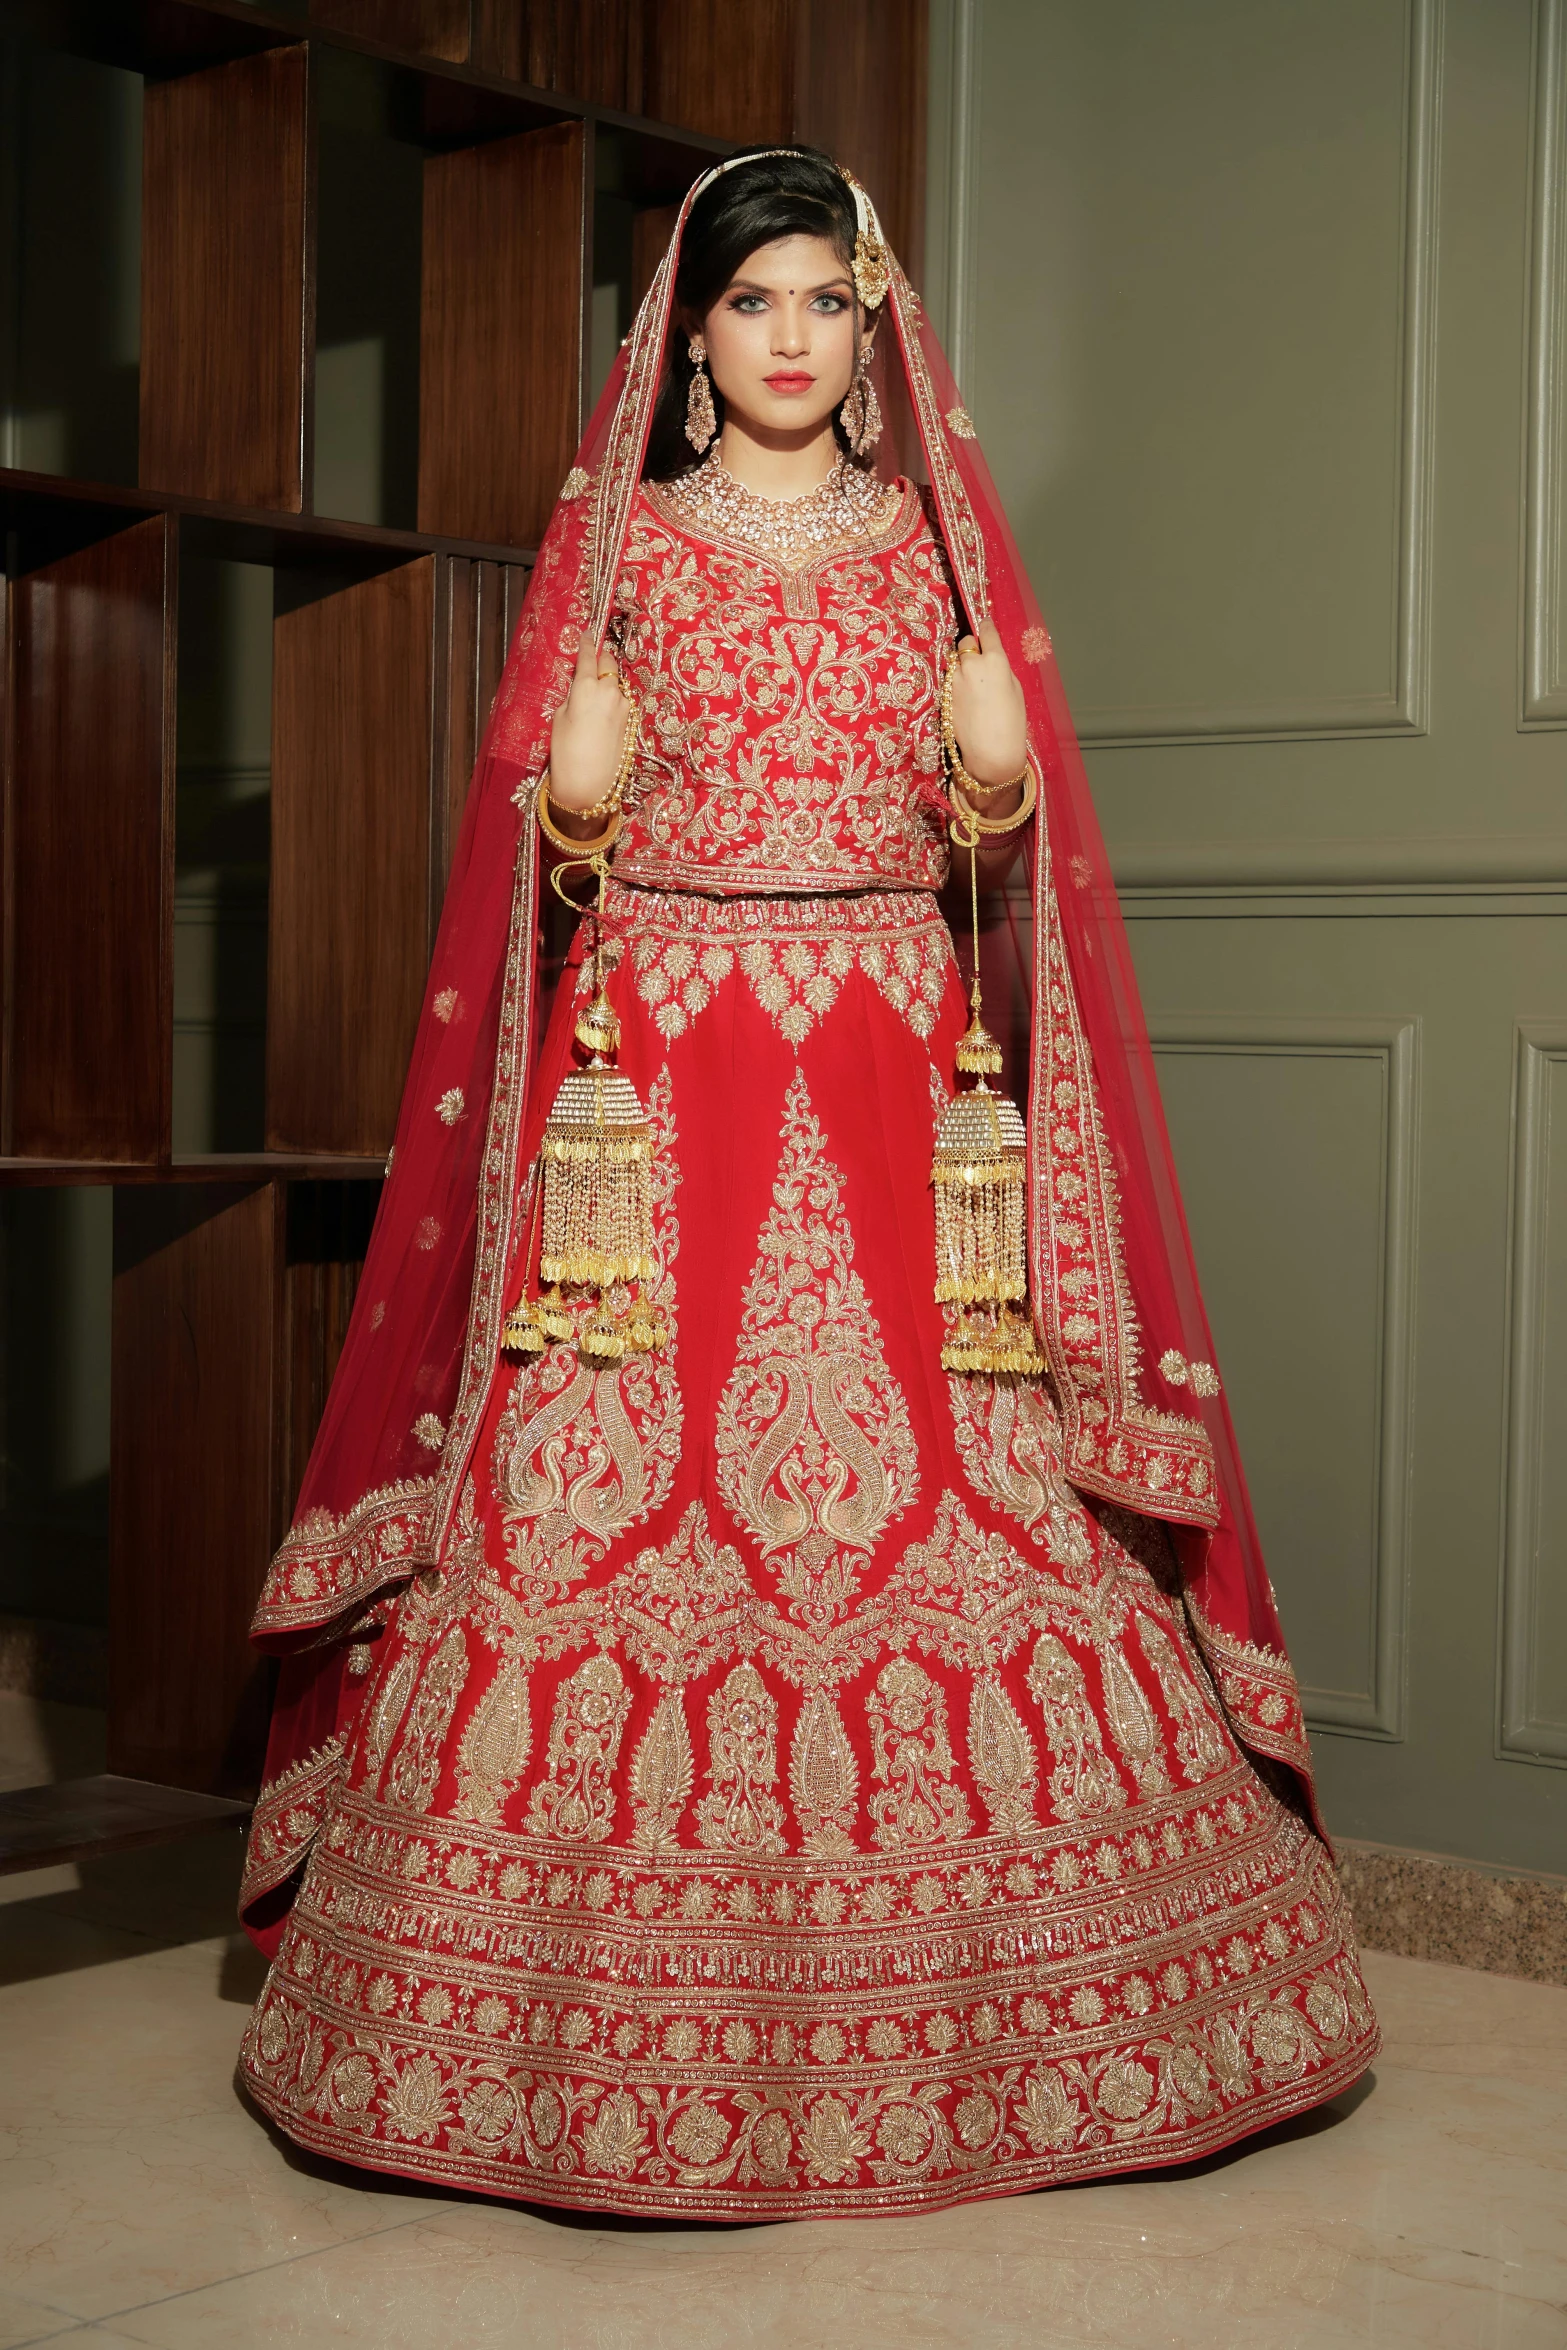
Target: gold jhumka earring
{"x":860,"y":413}
{"x":701,"y":418}
{"x":980,"y":1169}
{"x":595,"y":1196}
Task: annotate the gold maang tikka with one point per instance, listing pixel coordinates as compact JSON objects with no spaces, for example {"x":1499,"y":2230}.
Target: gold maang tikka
{"x":980,"y":1169}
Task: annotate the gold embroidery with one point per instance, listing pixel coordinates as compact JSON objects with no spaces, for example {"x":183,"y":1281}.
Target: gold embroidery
{"x":1002,"y":1756}
{"x":966,"y":1594}
{"x":494,"y":1752}
{"x":786,"y":715}
{"x":450,"y":1106}
{"x":742,"y":1814}
{"x":1035,"y":644}
{"x":912,"y":1761}
{"x":1200,"y":1742}
{"x":590,"y":1452}
{"x":543,"y":2022}
{"x":823,"y":1778}
{"x":960,"y":424}
{"x":416,"y":1765}
{"x":795,"y":954}
{"x":386,"y":1711}
{"x":287,"y":1819}
{"x":327,"y":1565}
{"x":816,"y":1456}
{"x":1133,"y":1723}
{"x":1009,"y":1438}
{"x":681,"y":1609}
{"x":430,"y":1431}
{"x":575,"y":1802}
{"x":1084,"y":1781}
{"x":662,"y":1776}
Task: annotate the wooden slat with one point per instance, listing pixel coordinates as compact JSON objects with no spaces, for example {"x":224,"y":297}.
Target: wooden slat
{"x":81,"y":1819}
{"x":591,"y":48}
{"x":429,"y":28}
{"x":501,"y":336}
{"x":225,"y":282}
{"x":90,"y":852}
{"x":349,"y":901}
{"x":481,"y":605}
{"x":192,"y":1478}
{"x":859,"y":92}
{"x":714,"y":67}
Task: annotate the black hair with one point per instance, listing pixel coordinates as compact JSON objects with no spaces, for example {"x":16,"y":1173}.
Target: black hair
{"x":801,"y":193}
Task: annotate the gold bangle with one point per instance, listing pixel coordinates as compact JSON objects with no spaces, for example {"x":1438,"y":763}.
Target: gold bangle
{"x":603,"y":807}
{"x":628,"y":751}
{"x":976,"y":824}
{"x":577,"y":850}
{"x":949,"y":743}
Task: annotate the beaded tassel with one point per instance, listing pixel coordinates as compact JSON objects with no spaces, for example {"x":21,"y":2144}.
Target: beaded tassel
{"x":595,"y":1182}
{"x":980,"y":1173}
{"x":981,"y":1179}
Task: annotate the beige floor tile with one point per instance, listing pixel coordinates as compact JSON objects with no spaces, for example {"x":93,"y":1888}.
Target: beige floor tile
{"x":24,"y":2320}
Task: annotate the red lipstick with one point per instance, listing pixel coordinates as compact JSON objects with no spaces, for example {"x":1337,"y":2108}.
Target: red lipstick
{"x":789,"y":379}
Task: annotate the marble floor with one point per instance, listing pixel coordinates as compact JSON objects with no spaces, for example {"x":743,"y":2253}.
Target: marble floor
{"x":140,"y":2204}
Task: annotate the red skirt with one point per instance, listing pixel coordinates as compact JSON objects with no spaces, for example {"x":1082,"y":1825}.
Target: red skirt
{"x":790,"y":1796}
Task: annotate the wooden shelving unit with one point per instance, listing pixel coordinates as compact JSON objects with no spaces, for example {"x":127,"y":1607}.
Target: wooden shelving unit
{"x":531,"y":153}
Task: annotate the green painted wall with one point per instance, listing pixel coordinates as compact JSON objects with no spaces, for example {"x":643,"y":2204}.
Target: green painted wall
{"x":1258,"y":305}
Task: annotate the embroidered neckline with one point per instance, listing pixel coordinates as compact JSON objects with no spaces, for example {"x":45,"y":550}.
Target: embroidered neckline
{"x":849,"y":509}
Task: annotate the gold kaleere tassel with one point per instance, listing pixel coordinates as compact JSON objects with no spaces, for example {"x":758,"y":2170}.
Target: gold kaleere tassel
{"x":981,"y":1166}
{"x":595,"y":1189}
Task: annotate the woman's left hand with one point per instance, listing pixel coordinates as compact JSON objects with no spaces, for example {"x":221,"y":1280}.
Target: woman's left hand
{"x":988,"y":717}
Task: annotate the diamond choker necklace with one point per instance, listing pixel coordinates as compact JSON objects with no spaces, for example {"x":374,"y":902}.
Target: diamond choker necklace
{"x":845,"y":508}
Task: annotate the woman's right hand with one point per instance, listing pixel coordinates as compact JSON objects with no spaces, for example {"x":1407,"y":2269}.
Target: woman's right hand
{"x":588,"y":735}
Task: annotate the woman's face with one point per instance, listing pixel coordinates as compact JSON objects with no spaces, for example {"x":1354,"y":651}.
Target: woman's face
{"x":780,"y":338}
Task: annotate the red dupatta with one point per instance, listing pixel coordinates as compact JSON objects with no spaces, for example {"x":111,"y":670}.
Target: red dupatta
{"x":1112,"y":1278}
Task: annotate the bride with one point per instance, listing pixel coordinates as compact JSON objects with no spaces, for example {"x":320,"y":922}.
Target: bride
{"x":781,"y":1711}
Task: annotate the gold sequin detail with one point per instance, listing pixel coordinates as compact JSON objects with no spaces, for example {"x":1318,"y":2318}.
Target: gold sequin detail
{"x":576,"y":1801}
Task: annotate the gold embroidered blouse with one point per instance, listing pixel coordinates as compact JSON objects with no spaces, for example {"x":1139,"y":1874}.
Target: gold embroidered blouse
{"x":786,"y":657}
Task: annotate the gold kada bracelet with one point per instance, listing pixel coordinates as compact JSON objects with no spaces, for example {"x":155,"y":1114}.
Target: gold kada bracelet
{"x":608,"y":807}
{"x":972,"y":818}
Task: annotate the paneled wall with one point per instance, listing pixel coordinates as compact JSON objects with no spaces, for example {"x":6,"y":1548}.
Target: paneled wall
{"x":1261,"y":311}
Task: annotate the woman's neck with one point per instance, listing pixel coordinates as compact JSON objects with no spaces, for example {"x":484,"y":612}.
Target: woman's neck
{"x":773,"y":468}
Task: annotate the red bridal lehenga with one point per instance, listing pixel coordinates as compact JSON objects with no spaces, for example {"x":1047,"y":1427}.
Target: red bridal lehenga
{"x":770,"y":1774}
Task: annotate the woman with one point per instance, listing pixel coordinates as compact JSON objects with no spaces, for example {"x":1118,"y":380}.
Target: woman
{"x":772,"y":1720}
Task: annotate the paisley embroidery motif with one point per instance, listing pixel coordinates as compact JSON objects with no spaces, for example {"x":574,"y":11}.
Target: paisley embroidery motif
{"x":1002,"y":1755}
{"x":1009,"y":1436}
{"x":416,"y":1765}
{"x":493,"y":1754}
{"x":912,"y":1761}
{"x":1201,"y":1745}
{"x":742,"y":1814}
{"x":662,"y":1776}
{"x":815,"y":1453}
{"x":823,"y":1779}
{"x":575,"y":1803}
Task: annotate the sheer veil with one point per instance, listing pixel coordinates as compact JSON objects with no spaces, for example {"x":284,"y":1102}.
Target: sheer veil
{"x":1119,"y":1312}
